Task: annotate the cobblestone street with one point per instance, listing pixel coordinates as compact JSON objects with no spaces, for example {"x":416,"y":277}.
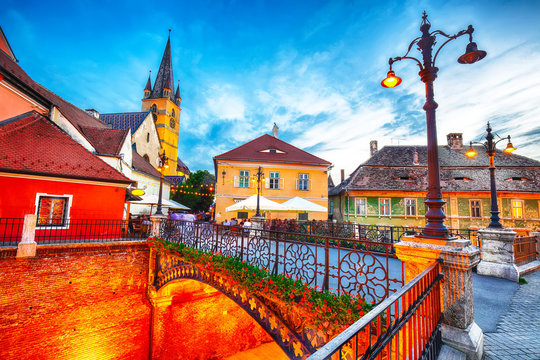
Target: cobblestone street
{"x":517,"y":331}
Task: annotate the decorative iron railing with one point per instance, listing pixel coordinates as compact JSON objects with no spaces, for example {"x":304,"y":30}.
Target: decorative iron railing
{"x":524,"y":250}
{"x":10,"y":231}
{"x":404,"y":326}
{"x":379,"y":233}
{"x":76,"y":230}
{"x":354,"y":266}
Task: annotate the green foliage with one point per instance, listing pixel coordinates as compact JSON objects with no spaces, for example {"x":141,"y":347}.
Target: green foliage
{"x":522,"y":281}
{"x":327,"y":310}
{"x":197,"y":192}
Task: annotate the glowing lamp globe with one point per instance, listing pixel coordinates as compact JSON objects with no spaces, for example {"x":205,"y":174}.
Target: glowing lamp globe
{"x":391,"y":80}
{"x":472,"y":54}
{"x":471,"y":153}
{"x":509,"y":148}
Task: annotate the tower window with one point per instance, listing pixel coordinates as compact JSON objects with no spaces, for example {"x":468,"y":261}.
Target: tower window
{"x":154,"y":108}
{"x":146,"y":157}
{"x":173,"y":114}
{"x":147,"y":137}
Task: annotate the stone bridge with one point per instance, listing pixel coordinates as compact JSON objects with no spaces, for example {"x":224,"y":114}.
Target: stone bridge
{"x":171,"y":276}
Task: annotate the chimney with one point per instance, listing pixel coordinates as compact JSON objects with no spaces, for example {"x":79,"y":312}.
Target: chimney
{"x":275,"y":131}
{"x":372,"y":147}
{"x":92,"y":112}
{"x":455,"y":141}
{"x":415,"y":158}
{"x":342,"y":175}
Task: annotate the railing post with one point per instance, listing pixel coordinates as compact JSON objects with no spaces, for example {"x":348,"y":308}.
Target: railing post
{"x":156,"y":225}
{"x":458,"y":257}
{"x":498,"y":254}
{"x":326,"y":279}
{"x":28,"y":246}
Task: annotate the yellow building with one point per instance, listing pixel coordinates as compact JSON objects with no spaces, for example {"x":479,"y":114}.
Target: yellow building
{"x":164,"y":104}
{"x":288,"y":172}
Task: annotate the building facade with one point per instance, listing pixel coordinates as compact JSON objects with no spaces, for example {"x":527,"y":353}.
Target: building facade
{"x":390,"y":188}
{"x":288,"y":172}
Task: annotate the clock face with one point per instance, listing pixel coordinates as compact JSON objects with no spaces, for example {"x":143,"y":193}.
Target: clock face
{"x":173,"y":123}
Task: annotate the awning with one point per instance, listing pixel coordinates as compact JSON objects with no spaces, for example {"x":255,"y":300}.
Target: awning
{"x":251,"y":204}
{"x":300,"y":204}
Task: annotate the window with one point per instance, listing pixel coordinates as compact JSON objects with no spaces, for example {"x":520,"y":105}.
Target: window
{"x":517,"y":209}
{"x":476,"y":206}
{"x":303,"y":182}
{"x":331,"y":207}
{"x":384,"y":207}
{"x":173,"y":114}
{"x":146,"y":157}
{"x":172,"y":122}
{"x":410,"y":207}
{"x":274,"y":180}
{"x":147,"y":137}
{"x":154,"y":108}
{"x":242,"y":215}
{"x":361,"y":206}
{"x":303,"y":216}
{"x":244,"y":179}
{"x":52,"y":210}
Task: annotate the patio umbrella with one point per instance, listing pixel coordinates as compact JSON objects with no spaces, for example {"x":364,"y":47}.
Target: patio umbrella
{"x":152,"y":200}
{"x":251,"y":204}
{"x":300,"y":204}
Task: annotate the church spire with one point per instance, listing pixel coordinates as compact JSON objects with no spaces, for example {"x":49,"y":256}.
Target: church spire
{"x":164,"y":80}
{"x":148,"y":87}
{"x":177,"y":97}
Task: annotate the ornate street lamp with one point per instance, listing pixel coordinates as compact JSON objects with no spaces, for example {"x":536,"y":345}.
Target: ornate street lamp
{"x":428,"y":73}
{"x":259,"y":174}
{"x":163,"y":164}
{"x":489,"y":145}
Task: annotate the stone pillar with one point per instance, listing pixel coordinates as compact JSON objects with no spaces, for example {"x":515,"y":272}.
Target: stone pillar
{"x":156,"y":224}
{"x":498,"y":254}
{"x":161,"y":306}
{"x":537,"y":235}
{"x":27,"y":247}
{"x":257,"y":222}
{"x":458,"y":257}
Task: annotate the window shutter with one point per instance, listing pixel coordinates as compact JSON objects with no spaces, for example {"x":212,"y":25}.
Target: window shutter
{"x":310,"y":184}
{"x":296,"y":184}
{"x":282,"y":183}
{"x":267,"y":183}
{"x":236,"y":181}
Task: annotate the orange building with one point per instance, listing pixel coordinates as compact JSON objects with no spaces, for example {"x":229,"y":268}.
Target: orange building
{"x":288,"y":172}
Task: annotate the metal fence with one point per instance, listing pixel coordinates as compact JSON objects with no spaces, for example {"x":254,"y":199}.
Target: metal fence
{"x":343,"y":265}
{"x":524,"y":250}
{"x":10,"y":231}
{"x":380,"y":233}
{"x":404,"y":326}
{"x":76,"y":230}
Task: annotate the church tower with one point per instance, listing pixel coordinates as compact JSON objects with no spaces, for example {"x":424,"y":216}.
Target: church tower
{"x":165,"y":106}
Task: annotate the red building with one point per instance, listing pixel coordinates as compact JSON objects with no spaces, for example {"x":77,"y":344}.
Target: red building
{"x":43,"y":171}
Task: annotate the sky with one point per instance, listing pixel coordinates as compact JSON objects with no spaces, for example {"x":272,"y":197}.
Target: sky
{"x":312,"y":67}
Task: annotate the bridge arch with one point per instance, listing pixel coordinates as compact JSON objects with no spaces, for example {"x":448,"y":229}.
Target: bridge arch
{"x":171,"y":269}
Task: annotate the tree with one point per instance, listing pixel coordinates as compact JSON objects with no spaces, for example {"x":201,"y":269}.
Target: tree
{"x":197,"y":192}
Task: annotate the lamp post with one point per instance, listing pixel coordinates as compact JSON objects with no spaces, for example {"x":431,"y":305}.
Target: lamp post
{"x":259,"y":174}
{"x":428,"y":73}
{"x":163,"y":164}
{"x":489,"y":145}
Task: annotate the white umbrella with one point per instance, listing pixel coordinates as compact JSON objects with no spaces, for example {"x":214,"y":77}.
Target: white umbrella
{"x":300,"y":204}
{"x":177,"y":205}
{"x":251,"y":204}
{"x":148,"y":199}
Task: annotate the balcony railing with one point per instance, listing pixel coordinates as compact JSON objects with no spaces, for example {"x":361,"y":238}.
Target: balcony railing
{"x":404,"y":326}
{"x":354,"y":266}
{"x":10,"y":231}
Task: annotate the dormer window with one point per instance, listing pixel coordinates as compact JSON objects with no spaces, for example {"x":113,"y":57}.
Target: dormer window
{"x":166,"y":92}
{"x":461,"y":178}
{"x":405,"y":178}
{"x":273,"y":151}
{"x":517,"y":178}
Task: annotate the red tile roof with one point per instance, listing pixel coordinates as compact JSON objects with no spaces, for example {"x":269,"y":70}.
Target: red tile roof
{"x":141,"y":165}
{"x":32,"y":144}
{"x":286,"y":153}
{"x":106,"y":141}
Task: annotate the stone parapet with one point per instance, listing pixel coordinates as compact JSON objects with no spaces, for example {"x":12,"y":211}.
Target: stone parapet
{"x":457,"y":258}
{"x":28,"y":246}
{"x":498,"y":254}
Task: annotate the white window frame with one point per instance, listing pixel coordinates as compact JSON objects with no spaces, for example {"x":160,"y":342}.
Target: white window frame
{"x":387,"y":205}
{"x":69,"y":201}
{"x":521,"y":208}
{"x":356,"y":206}
{"x":303,"y":178}
{"x":274,"y":182}
{"x":244,"y":179}
{"x":407,"y":207}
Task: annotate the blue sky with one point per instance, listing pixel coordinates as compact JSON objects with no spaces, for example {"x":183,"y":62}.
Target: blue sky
{"x":313,"y":67}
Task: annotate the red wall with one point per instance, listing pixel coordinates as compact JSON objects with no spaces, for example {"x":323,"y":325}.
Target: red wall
{"x":18,"y":198}
{"x":76,"y":302}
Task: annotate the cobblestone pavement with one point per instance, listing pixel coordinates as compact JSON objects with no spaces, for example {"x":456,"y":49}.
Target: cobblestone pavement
{"x":518,"y":331}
